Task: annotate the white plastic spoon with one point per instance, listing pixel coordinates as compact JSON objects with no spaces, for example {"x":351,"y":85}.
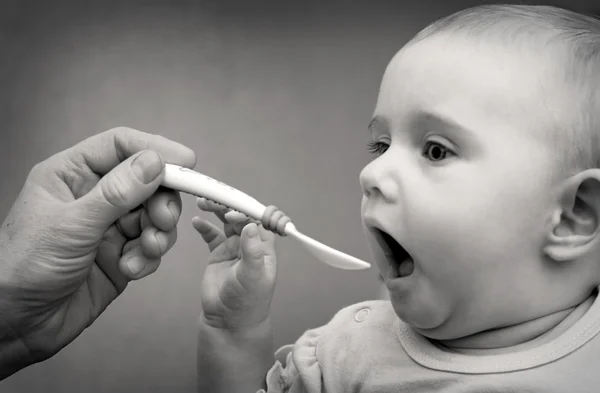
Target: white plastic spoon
{"x":192,"y":182}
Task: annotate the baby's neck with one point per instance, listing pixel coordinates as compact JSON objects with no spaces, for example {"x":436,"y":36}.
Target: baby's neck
{"x":521,"y":336}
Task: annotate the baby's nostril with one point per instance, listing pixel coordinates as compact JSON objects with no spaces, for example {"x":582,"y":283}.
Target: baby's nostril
{"x":367,"y":181}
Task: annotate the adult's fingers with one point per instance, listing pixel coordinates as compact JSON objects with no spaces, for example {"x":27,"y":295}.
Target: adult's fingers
{"x":134,"y":264}
{"x":129,"y":225}
{"x":108,"y":255}
{"x":104,"y":151}
{"x":121,"y":190}
{"x":164,"y":209}
{"x":156,"y":243}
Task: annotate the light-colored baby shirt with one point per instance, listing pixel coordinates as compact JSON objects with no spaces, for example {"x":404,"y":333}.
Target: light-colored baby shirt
{"x":366,"y":348}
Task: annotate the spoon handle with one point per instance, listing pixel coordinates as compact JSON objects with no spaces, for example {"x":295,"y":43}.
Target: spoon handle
{"x":192,"y":182}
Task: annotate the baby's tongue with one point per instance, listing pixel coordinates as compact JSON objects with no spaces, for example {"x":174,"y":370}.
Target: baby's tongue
{"x":406,"y":268}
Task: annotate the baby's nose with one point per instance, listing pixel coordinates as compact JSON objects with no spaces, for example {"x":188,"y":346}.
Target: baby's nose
{"x":377,"y":181}
{"x":367,"y":181}
{"x":370,"y":178}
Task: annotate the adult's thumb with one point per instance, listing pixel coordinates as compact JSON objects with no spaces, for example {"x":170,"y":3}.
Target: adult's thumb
{"x":124,"y":188}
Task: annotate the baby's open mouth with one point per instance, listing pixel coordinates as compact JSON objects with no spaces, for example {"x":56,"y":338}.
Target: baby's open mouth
{"x":401,"y":264}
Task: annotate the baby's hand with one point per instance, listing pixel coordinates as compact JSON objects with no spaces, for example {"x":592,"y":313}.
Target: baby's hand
{"x":239,"y":281}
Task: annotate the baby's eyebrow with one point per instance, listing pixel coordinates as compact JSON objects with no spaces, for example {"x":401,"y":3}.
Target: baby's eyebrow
{"x":423,"y":119}
{"x":378,"y":125}
{"x":428,"y":118}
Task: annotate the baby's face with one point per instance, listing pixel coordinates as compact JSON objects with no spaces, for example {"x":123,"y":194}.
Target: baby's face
{"x":461,"y":181}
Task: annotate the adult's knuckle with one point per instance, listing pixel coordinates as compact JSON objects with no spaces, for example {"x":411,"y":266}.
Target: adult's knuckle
{"x":40,"y":169}
{"x":121,"y":131}
{"x":152,"y":267}
{"x":172,"y":238}
{"x":128,"y":140}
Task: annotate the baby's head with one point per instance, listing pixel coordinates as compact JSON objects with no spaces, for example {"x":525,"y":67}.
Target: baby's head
{"x":486,"y":136}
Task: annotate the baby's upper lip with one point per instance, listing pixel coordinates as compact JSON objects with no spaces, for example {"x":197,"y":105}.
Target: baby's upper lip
{"x":374,"y":226}
{"x":378,"y":233}
{"x":371,"y":222}
{"x":375,"y":229}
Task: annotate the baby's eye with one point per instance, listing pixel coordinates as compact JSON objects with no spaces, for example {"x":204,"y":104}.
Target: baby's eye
{"x":377,"y":148}
{"x":435,"y":151}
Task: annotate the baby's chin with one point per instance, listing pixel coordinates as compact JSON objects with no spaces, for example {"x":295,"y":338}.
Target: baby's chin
{"x":433,"y":320}
{"x":419,"y":316}
{"x":448,"y":331}
{"x":442,"y":333}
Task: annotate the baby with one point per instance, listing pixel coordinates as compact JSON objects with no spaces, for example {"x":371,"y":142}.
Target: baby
{"x":482,"y":209}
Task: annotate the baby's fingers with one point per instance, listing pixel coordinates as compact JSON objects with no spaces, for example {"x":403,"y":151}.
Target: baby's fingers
{"x":209,"y":232}
{"x":211,"y":206}
{"x":239,"y":221}
{"x":236,"y":217}
{"x":253,"y":252}
{"x":257,"y":251}
{"x":219,"y":211}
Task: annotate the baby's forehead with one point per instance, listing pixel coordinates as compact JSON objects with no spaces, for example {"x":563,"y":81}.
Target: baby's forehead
{"x":439,"y":49}
{"x":442,"y":68}
{"x":477,"y":86}
{"x":533,"y":67}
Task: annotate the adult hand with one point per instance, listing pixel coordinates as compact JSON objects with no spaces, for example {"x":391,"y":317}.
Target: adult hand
{"x":87,"y":221}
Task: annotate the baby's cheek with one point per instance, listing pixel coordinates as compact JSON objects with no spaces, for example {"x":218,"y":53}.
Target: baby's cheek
{"x":449,"y":238}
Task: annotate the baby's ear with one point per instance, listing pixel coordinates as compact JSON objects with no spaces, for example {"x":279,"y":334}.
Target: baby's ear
{"x":575,"y":226}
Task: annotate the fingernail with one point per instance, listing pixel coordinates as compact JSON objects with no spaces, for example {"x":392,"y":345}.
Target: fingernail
{"x":135,"y":266}
{"x":252,"y":231}
{"x":173,"y":209}
{"x":159,"y":241}
{"x":147,"y":166}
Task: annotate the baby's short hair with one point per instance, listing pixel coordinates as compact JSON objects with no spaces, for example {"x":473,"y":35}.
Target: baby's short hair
{"x":574,"y":38}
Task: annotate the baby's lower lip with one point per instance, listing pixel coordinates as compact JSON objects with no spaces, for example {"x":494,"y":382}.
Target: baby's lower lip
{"x":399,"y":285}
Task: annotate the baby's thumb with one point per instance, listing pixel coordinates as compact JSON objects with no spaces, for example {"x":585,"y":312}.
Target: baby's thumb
{"x":124,"y":188}
{"x":254,"y":251}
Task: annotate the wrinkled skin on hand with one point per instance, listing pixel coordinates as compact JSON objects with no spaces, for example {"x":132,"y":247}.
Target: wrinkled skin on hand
{"x":81,"y":216}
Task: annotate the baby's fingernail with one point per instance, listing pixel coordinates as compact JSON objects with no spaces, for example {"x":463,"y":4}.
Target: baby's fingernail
{"x":252,"y":231}
{"x":135,"y":265}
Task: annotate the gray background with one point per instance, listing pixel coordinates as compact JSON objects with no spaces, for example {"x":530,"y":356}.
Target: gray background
{"x":273,"y":96}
